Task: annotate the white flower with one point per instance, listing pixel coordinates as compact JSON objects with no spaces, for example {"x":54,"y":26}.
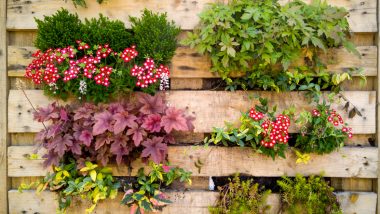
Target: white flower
{"x":164,"y":82}
{"x":82,"y":87}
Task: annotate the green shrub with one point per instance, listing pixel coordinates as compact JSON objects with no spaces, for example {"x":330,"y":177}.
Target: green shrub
{"x":155,"y":36}
{"x":310,"y":195}
{"x":240,"y":197}
{"x":105,"y":31}
{"x":59,"y":30}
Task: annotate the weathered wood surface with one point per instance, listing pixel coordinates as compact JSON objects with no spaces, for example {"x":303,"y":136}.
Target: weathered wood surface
{"x":21,"y":14}
{"x":4,"y":136}
{"x":192,"y":202}
{"x":211,"y":108}
{"x":187,"y":63}
{"x":347,"y":162}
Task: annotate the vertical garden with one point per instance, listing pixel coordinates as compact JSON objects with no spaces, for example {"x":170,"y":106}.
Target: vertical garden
{"x":189,"y":107}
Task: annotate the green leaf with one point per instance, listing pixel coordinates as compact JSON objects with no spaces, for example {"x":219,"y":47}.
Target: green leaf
{"x":93,"y":175}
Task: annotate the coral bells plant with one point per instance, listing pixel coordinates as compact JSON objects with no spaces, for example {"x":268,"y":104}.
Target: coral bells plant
{"x":117,"y":132}
{"x":259,"y":128}
{"x":94,"y":73}
{"x":322,"y":130}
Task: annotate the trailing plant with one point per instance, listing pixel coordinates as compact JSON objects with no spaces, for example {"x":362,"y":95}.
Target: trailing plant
{"x":263,"y":41}
{"x":155,"y":36}
{"x":103,"y":133}
{"x":94,"y":73}
{"x":322,"y":130}
{"x":146,"y":194}
{"x":310,"y":195}
{"x":260,"y":128}
{"x":89,"y":182}
{"x":59,"y":30}
{"x":240,"y":197}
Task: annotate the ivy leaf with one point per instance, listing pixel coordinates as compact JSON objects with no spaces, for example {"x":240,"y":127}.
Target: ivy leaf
{"x":151,"y":104}
{"x":123,"y":120}
{"x":155,"y":149}
{"x":174,"y":119}
{"x":138,"y":132}
{"x":103,"y":122}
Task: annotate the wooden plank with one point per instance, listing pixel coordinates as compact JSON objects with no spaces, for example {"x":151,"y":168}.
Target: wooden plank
{"x":185,"y":13}
{"x":186,"y":83}
{"x":347,"y":162}
{"x":4,"y":137}
{"x":187,"y":63}
{"x":211,"y":108}
{"x":352,"y":184}
{"x":191,"y":202}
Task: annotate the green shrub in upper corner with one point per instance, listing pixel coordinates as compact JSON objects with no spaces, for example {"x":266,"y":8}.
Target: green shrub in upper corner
{"x":102,"y":30}
{"x":241,"y":197}
{"x":311,"y":195}
{"x":155,"y":36}
{"x":59,"y":30}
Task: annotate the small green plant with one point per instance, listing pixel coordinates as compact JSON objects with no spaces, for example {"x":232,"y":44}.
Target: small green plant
{"x":89,"y":182}
{"x":146,"y":194}
{"x":322,"y":130}
{"x":59,"y":30}
{"x":241,"y":197}
{"x":263,"y":41}
{"x":310,"y":195}
{"x":102,"y":30}
{"x":155,"y":36}
{"x":260,"y":128}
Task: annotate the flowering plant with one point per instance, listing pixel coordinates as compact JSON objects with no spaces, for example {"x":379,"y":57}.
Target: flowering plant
{"x":322,"y":130}
{"x":146,"y":194}
{"x":94,"y":73}
{"x":119,"y":131}
{"x":260,"y":128}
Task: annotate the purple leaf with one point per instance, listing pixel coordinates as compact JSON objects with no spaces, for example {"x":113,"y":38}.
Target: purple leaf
{"x":63,"y":115}
{"x":76,"y":148}
{"x":47,"y":113}
{"x":86,"y":137}
{"x":152,"y":123}
{"x":84,"y":112}
{"x":51,"y":158}
{"x":123,"y":120}
{"x":101,"y":140}
{"x":174,"y":119}
{"x":151,"y":104}
{"x":119,"y":148}
{"x":103,"y":122}
{"x":53,"y":130}
{"x":115,"y":108}
{"x":138,"y":134}
{"x":61,"y":144}
{"x":155,"y":149}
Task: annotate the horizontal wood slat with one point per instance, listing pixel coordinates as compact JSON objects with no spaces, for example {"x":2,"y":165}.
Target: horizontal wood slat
{"x":20,"y":14}
{"x":187,"y":63}
{"x":211,"y":108}
{"x":192,"y":202}
{"x":222,"y":161}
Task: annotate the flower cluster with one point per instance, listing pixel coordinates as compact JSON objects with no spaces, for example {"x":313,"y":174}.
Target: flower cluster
{"x":149,"y":73}
{"x":275,"y":132}
{"x":99,"y":65}
{"x":110,"y":132}
{"x":334,"y":118}
{"x":256,"y":115}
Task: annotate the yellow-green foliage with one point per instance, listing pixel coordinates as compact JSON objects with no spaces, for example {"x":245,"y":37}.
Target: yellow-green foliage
{"x":310,"y":195}
{"x":241,"y":197}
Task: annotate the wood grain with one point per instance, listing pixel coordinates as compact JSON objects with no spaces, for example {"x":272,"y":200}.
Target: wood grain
{"x":187,"y":63}
{"x":347,"y":162}
{"x":21,"y":14}
{"x":211,"y":108}
{"x":4,"y":137}
{"x":191,"y":202}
